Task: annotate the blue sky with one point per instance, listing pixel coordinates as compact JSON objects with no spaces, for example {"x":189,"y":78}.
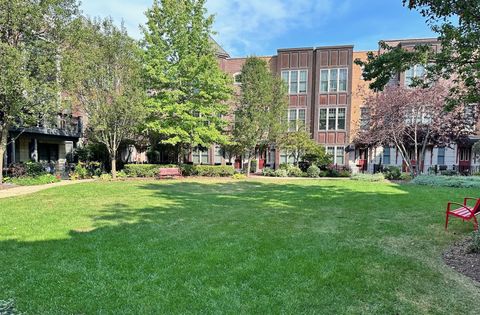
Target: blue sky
{"x":259,"y":27}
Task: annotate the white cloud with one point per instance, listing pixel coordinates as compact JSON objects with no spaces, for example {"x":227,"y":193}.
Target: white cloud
{"x":243,"y":26}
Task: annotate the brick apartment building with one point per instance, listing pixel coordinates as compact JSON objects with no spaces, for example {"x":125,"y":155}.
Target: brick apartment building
{"x":326,"y":94}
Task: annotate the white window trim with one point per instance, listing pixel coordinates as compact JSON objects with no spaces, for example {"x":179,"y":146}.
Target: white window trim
{"x":298,"y":80}
{"x":335,"y":153}
{"x":336,"y":119}
{"x":338,"y":81}
{"x":234,"y":76}
{"x":297,"y":127}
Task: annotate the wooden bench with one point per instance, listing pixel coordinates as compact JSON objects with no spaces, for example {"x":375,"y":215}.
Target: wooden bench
{"x":464,"y":212}
{"x":169,"y":173}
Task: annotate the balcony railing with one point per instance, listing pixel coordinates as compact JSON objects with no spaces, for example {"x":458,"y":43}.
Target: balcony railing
{"x":63,"y":125}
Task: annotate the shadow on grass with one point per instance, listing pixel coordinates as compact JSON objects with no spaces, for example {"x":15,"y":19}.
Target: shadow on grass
{"x":250,"y":246}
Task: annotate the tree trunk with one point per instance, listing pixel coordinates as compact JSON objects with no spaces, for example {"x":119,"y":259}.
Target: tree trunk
{"x":3,"y":149}
{"x":249,"y":164}
{"x":114,"y":167}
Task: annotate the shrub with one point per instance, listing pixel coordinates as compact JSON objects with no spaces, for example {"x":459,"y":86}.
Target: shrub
{"x":8,"y":308}
{"x":145,"y":170}
{"x":475,"y":245}
{"x":392,"y":173}
{"x":268,"y":172}
{"x":34,"y":169}
{"x":378,"y":177}
{"x":447,"y":181}
{"x":280,"y":173}
{"x":214,"y":170}
{"x":295,"y":171}
{"x":449,"y":173}
{"x":239,"y":176}
{"x":188,"y":170}
{"x":253,"y":166}
{"x":17,"y":170}
{"x":333,"y":173}
{"x":121,"y":174}
{"x":323,"y":173}
{"x":406,"y":176}
{"x":33,"y":181}
{"x":313,"y":171}
{"x":106,"y":177}
{"x":344,"y":173}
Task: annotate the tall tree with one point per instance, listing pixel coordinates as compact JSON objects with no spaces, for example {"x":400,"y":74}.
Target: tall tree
{"x":457,"y":23}
{"x":301,"y":144}
{"x":412,"y":119}
{"x":262,"y":104}
{"x":31,"y":36}
{"x":108,"y":84}
{"x":188,"y":90}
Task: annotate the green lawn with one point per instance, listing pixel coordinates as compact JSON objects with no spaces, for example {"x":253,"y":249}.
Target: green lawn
{"x":223,"y":246}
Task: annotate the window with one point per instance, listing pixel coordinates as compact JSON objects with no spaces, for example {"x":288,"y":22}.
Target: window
{"x":333,"y":80}
{"x":286,"y":157}
{"x":200,"y":156}
{"x":237,"y":78}
{"x":338,"y":154}
{"x":323,"y":80}
{"x":218,"y":155}
{"x":386,"y":155}
{"x":364,"y":118}
{"x":332,"y":119}
{"x":296,"y":81}
{"x":296,"y":119}
{"x":441,"y":156}
{"x":417,"y":71}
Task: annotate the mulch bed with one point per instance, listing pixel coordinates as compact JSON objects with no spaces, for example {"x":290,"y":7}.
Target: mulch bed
{"x":459,"y":258}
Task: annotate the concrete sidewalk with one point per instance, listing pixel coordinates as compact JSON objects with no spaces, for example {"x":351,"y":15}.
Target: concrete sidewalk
{"x":25,"y":190}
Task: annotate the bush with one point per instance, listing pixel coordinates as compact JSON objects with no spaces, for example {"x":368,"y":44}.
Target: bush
{"x":268,"y":172}
{"x":447,"y":181}
{"x":253,"y":166}
{"x":313,"y":171}
{"x":106,"y":177}
{"x":214,"y":170}
{"x":406,"y":176}
{"x":188,"y":170}
{"x":475,"y":245}
{"x":449,"y":173}
{"x":392,"y":173}
{"x":368,"y":177}
{"x":239,"y":176}
{"x":280,"y":173}
{"x":145,"y":170}
{"x":121,"y":174}
{"x":344,"y":173}
{"x":8,"y":308}
{"x":295,"y":171}
{"x":34,"y":169}
{"x":33,"y":181}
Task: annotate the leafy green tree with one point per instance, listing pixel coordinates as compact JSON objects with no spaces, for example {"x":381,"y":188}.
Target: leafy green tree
{"x":300,"y":144}
{"x":32,"y":35}
{"x":457,"y":23}
{"x":188,"y":90}
{"x":108,"y":84}
{"x":262,"y":104}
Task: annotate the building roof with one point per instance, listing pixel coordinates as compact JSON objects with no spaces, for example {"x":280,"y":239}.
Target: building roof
{"x":218,"y":49}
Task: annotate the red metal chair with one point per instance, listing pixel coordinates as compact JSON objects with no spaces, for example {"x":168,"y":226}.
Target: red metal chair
{"x":465,"y":212}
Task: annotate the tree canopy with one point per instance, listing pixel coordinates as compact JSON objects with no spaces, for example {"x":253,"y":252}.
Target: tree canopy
{"x":188,"y":92}
{"x":261,"y":106}
{"x":457,"y":23}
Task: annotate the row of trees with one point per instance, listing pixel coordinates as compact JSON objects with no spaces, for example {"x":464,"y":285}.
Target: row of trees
{"x":168,"y":86}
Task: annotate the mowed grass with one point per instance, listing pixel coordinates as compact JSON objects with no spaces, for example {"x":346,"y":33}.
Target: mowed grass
{"x":224,"y":246}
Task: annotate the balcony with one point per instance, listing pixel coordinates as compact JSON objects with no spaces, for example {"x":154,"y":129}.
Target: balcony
{"x":62,"y":126}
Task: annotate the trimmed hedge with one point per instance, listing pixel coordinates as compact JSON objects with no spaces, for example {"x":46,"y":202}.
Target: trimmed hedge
{"x":33,"y":181}
{"x":151,"y":170}
{"x":447,"y":181}
{"x":368,"y":177}
{"x":145,"y":170}
{"x":214,"y":171}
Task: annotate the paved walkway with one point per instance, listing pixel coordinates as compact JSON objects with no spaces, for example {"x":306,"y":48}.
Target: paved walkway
{"x":25,"y":190}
